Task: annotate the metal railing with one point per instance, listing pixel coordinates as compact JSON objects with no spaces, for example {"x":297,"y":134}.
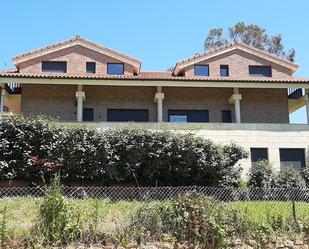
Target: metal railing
{"x":295,"y":93}
{"x":13,"y":88}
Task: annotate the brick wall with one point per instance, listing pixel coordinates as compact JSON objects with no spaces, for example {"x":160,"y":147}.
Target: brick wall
{"x":76,"y":58}
{"x":103,"y":97}
{"x":238,"y":62}
{"x":52,"y":100}
{"x":264,"y":106}
{"x":212,"y":99}
{"x":257,"y":105}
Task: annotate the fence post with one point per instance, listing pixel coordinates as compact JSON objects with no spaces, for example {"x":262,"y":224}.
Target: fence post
{"x":293,"y":204}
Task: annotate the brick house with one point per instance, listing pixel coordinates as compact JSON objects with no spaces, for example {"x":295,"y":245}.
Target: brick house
{"x":232,"y":93}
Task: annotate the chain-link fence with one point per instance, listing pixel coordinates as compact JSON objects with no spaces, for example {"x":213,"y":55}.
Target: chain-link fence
{"x":164,"y":193}
{"x":294,"y":202}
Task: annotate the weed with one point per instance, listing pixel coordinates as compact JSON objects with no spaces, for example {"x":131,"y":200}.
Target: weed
{"x":57,"y":222}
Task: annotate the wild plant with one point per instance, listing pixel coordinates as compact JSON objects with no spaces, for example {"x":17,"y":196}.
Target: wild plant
{"x":57,"y":221}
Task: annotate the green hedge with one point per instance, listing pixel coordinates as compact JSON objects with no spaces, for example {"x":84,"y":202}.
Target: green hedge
{"x":263,"y":175}
{"x":34,"y":148}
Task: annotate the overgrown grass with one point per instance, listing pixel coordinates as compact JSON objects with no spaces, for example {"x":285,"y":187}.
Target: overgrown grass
{"x":259,"y":211}
{"x":112,"y":216}
{"x":22,"y":212}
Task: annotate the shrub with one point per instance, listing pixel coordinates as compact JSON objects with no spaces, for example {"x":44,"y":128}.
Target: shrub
{"x":21,"y":140}
{"x":82,"y":153}
{"x":205,"y":222}
{"x":261,"y":175}
{"x":289,"y":177}
{"x":189,"y":218}
{"x":165,"y":158}
{"x":305,"y":175}
{"x":230,"y":173}
{"x":146,"y":223}
{"x":34,"y":149}
{"x":57,"y":221}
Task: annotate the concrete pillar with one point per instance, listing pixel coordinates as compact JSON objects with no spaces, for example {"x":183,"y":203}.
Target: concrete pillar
{"x":237,"y":111}
{"x":2,"y":93}
{"x":159,"y":99}
{"x":80,"y":96}
{"x":307,"y":105}
{"x":160,"y":110}
{"x":235,"y":99}
{"x":79,"y":109}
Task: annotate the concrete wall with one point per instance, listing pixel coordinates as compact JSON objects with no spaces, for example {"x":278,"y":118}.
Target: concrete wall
{"x":271,"y":139}
{"x":238,"y":62}
{"x":257,"y":105}
{"x":76,"y":58}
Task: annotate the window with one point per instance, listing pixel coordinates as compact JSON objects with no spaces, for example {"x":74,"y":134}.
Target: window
{"x":260,"y":71}
{"x":88,"y":114}
{"x":127,"y":115}
{"x":258,"y":154}
{"x":115,"y":68}
{"x":294,"y":158}
{"x":90,"y":67}
{"x":199,"y":116}
{"x":201,"y":70}
{"x":226,"y":116}
{"x":54,"y":66}
{"x":174,"y":118}
{"x":224,"y":70}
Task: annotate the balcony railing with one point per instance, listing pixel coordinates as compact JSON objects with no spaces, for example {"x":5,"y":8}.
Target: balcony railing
{"x":13,"y":88}
{"x":295,"y":93}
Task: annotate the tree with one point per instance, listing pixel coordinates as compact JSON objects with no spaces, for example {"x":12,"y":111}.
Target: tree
{"x":250,"y":34}
{"x":215,"y":38}
{"x":170,"y":69}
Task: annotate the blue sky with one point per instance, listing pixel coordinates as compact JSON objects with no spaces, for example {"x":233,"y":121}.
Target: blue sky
{"x":158,"y":32}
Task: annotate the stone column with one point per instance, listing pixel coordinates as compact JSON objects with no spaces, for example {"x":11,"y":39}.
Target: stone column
{"x":159,"y":98}
{"x":2,"y":93}
{"x":80,"y":97}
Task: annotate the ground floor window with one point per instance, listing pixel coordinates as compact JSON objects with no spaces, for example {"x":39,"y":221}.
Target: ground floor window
{"x":88,"y":114}
{"x":294,"y":158}
{"x":226,"y":116}
{"x":258,"y":154}
{"x":127,"y":115}
{"x":178,"y":118}
{"x":184,"y":116}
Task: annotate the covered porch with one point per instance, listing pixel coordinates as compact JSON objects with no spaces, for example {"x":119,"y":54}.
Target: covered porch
{"x":99,"y":100}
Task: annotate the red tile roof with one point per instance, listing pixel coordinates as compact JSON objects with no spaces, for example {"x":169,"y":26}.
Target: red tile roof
{"x":235,"y":44}
{"x":152,"y":76}
{"x":76,"y":38}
